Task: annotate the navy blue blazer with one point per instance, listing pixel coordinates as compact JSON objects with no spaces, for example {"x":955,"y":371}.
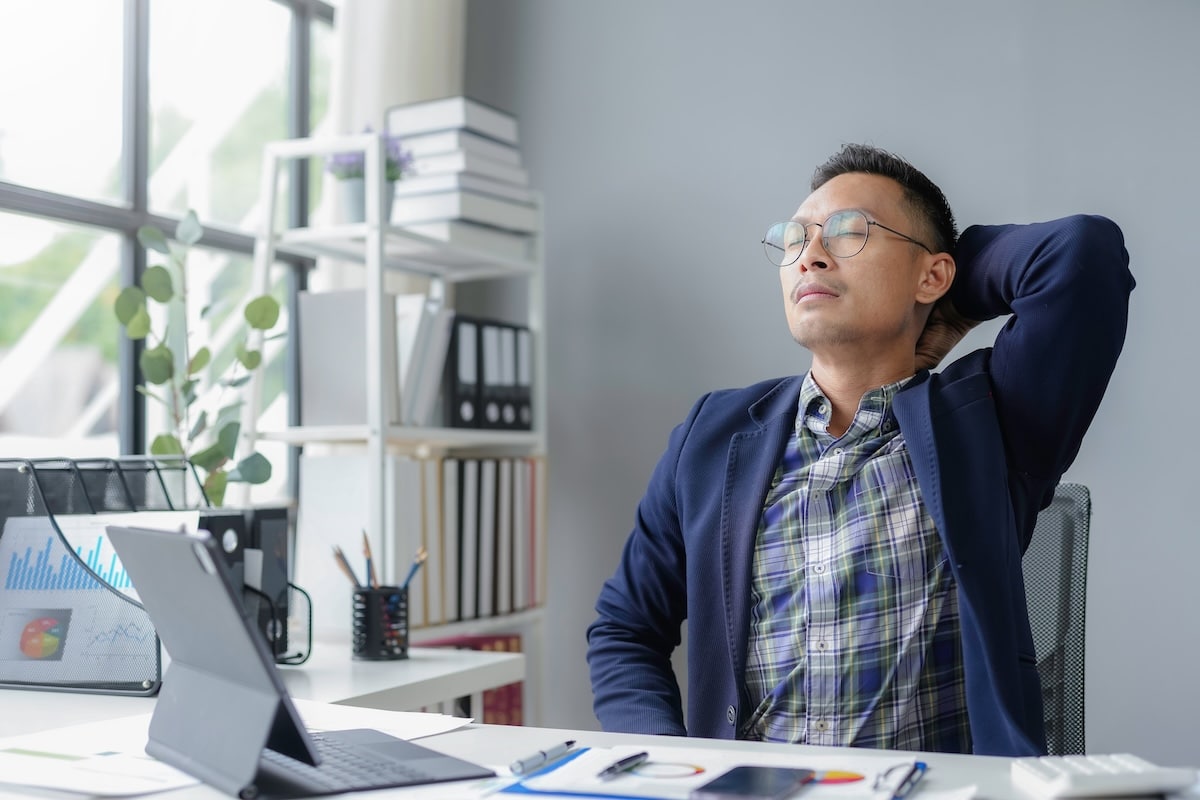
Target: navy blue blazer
{"x":990,"y":437}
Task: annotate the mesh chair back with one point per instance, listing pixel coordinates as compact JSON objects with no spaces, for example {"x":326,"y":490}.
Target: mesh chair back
{"x":1055,"y":567}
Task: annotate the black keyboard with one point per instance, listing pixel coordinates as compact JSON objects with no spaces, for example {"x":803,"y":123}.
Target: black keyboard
{"x":345,"y":768}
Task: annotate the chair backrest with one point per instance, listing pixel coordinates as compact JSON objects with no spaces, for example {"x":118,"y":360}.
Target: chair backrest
{"x":1055,"y":567}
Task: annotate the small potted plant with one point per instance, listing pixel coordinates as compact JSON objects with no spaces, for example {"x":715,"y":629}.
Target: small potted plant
{"x":348,"y":168}
{"x":176,"y":370}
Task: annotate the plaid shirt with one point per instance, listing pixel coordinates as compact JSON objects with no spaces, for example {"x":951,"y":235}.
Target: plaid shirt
{"x":854,"y":625}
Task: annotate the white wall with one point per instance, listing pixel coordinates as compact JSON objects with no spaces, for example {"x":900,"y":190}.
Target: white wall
{"x":666,"y":135}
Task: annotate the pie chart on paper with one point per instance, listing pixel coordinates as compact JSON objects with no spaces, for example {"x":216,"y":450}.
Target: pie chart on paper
{"x":42,"y":638}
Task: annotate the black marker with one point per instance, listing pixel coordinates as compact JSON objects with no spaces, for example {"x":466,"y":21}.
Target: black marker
{"x":624,"y":765}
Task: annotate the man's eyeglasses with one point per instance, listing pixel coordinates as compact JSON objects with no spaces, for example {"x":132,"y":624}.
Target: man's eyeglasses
{"x":843,"y":235}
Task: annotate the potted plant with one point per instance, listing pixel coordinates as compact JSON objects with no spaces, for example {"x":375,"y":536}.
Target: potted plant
{"x":349,"y":169}
{"x":204,"y":409}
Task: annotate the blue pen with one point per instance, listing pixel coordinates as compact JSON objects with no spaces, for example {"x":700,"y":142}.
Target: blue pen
{"x":418,"y":560}
{"x":910,"y":780}
{"x":371,"y":581}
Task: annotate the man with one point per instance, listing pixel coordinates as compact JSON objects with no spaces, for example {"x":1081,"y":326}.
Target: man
{"x":846,"y":545}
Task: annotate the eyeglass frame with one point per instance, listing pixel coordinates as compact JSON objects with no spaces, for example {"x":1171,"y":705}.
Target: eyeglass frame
{"x":821,"y":225}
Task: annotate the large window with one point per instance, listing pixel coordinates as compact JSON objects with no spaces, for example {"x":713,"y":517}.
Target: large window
{"x":61,"y":97}
{"x":218,"y":92}
{"x":128,"y":113}
{"x":58,"y":338}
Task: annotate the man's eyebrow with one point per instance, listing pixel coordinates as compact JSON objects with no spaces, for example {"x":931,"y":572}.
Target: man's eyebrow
{"x":803,"y":220}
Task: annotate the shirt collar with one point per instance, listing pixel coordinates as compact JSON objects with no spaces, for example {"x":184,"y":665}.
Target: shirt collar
{"x":874,"y":413}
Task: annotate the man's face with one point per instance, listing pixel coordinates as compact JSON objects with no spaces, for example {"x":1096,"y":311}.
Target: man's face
{"x":866,"y":303}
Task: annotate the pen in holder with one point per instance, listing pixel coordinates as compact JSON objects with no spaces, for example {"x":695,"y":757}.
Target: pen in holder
{"x":381,"y":623}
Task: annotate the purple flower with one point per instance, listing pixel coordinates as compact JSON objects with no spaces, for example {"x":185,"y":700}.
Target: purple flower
{"x":398,"y":161}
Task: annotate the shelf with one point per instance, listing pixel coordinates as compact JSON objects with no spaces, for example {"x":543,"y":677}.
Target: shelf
{"x":516,"y":621}
{"x":433,"y":438}
{"x":428,"y":675}
{"x":403,"y":250}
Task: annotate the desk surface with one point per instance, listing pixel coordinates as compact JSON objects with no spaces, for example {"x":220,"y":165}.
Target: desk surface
{"x":491,"y":745}
{"x":496,"y":746}
{"x":427,"y":676}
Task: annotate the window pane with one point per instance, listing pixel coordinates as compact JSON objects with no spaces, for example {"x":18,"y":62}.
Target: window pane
{"x":58,"y":339}
{"x":218,"y":286}
{"x":61,"y":98}
{"x":218,"y":92}
{"x":320,"y":80}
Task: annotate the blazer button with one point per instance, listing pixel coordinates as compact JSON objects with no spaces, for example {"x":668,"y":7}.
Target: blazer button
{"x":731,"y":715}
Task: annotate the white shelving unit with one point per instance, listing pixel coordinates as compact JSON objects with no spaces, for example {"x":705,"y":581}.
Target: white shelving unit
{"x":381,"y":247}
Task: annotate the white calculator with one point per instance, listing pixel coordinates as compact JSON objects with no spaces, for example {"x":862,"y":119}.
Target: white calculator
{"x":1097,"y":776}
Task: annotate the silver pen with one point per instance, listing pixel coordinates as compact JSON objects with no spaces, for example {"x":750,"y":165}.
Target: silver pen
{"x":523,"y":765}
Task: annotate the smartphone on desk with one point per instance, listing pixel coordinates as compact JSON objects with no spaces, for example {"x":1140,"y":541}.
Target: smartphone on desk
{"x":752,"y":782}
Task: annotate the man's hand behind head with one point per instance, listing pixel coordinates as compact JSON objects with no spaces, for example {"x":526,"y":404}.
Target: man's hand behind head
{"x":943,"y":330}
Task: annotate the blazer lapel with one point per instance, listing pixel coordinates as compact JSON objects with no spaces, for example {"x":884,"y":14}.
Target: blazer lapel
{"x":753,"y":456}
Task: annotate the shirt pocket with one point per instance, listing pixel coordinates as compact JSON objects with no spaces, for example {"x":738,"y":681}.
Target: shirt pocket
{"x":893,"y":536}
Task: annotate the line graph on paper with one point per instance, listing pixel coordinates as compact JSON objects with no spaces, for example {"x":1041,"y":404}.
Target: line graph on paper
{"x":125,"y":643}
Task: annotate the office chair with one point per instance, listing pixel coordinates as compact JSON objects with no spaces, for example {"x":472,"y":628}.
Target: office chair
{"x":1055,"y":568}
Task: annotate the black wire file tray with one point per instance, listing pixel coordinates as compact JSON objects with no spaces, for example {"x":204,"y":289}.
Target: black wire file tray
{"x":69,"y":617}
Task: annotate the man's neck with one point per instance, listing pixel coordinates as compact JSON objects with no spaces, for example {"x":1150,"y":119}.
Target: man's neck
{"x":844,"y":386}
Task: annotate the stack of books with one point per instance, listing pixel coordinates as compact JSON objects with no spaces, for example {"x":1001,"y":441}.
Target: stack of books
{"x":467,"y":185}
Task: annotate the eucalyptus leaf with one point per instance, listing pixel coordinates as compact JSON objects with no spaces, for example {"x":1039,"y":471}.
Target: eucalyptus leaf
{"x":210,"y":458}
{"x":214,"y":487}
{"x":145,"y":392}
{"x":262,"y":312}
{"x":158,"y":364}
{"x":230,"y":413}
{"x":130,"y":301}
{"x":254,"y":468}
{"x":152,"y":239}
{"x":228,"y":436}
{"x":199,"y":361}
{"x":234,"y":383}
{"x":250,"y":359}
{"x":188,"y":390}
{"x":157,"y":283}
{"x":139,"y":326}
{"x":188,"y":231}
{"x":166,"y":444}
{"x":199,"y":426}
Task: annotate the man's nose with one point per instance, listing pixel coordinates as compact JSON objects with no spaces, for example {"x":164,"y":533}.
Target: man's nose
{"x":814,"y":256}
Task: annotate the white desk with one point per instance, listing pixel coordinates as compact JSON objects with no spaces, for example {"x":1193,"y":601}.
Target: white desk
{"x":428,"y":676}
{"x":497,"y":746}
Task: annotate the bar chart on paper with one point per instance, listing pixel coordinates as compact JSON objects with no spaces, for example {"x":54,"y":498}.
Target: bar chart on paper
{"x":37,"y":570}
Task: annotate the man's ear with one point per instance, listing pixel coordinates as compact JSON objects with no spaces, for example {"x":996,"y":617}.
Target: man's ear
{"x":937,"y":275}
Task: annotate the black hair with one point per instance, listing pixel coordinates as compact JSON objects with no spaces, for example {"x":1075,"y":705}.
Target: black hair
{"x":922,"y":195}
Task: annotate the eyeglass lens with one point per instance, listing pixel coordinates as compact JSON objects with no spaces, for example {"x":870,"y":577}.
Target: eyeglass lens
{"x":843,"y":235}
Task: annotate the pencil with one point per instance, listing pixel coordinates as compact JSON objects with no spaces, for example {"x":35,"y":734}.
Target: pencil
{"x":418,"y":560}
{"x":340,"y":558}
{"x":371,"y":581}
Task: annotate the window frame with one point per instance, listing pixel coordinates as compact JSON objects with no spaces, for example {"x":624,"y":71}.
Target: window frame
{"x":133,"y":213}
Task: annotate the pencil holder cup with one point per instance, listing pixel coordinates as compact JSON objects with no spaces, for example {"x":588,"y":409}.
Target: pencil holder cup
{"x":381,"y":623}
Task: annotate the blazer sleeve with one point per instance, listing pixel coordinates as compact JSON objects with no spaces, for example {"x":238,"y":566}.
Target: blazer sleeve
{"x":1066,"y":284}
{"x":641,"y":609}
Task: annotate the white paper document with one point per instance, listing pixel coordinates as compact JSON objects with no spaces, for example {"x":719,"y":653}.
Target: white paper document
{"x":671,"y":773}
{"x":401,"y":724}
{"x":106,"y":775}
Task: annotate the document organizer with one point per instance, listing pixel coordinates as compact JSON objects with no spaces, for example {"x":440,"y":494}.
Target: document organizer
{"x":67,"y":620}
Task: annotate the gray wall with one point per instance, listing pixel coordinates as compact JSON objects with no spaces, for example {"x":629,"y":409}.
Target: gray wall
{"x":667,"y":135}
